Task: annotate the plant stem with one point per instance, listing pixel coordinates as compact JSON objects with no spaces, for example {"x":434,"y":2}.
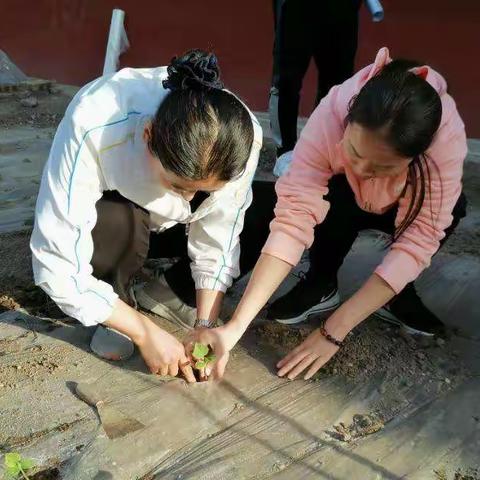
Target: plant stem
{"x":24,"y":474}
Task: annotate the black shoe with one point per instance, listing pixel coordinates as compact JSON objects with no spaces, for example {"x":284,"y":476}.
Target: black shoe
{"x":306,"y":298}
{"x":408,"y":311}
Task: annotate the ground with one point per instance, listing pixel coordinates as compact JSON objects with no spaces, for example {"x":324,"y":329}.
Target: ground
{"x":388,"y":406}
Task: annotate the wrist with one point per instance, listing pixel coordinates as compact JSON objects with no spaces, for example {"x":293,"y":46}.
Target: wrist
{"x":205,"y":323}
{"x":234,"y":329}
{"x":140,"y":329}
{"x":338,"y":326}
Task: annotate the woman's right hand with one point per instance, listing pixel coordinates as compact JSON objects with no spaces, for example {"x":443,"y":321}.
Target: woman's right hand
{"x":163,"y":353}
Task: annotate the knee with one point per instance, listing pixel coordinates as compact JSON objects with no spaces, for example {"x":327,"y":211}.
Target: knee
{"x":111,"y":345}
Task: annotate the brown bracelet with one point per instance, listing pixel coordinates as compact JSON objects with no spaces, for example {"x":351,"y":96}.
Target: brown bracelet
{"x":331,"y":339}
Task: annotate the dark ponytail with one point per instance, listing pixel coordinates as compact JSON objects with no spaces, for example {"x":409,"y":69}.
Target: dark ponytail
{"x":200,"y":130}
{"x":406,"y":110}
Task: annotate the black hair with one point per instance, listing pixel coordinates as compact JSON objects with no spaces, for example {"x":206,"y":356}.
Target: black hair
{"x":406,"y":110}
{"x":200,"y":130}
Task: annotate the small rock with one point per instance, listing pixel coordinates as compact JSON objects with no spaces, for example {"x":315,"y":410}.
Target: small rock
{"x":440,"y":342}
{"x":448,"y":381}
{"x":29,"y":101}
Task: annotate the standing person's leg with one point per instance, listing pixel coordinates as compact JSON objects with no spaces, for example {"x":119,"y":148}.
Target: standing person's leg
{"x":291,"y":56}
{"x":335,"y":23}
{"x":317,"y":291}
{"x":120,"y":240}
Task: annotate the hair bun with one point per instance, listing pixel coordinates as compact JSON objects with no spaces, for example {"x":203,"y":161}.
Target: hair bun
{"x":195,"y":69}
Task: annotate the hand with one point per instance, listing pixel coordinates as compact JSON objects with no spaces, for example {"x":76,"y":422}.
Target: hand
{"x":163,"y":353}
{"x":221,"y":340}
{"x":314,"y":352}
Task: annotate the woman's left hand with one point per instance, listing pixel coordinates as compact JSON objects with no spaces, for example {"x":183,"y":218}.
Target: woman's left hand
{"x":313,"y":353}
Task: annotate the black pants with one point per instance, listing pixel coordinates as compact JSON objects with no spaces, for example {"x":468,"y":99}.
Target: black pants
{"x":122,"y":241}
{"x":345,"y":219}
{"x":326,"y":30}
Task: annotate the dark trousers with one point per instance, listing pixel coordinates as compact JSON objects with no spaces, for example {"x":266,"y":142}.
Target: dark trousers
{"x":122,"y":241}
{"x":325,"y":30}
{"x":345,"y":219}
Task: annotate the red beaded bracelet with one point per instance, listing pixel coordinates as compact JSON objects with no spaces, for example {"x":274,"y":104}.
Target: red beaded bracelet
{"x":331,"y":339}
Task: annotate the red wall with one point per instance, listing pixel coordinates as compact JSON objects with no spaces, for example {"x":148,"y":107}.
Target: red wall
{"x":65,"y":40}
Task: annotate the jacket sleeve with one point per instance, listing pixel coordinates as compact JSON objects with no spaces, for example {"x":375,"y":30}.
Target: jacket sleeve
{"x":301,"y":191}
{"x":413,"y":251}
{"x":214,"y":243}
{"x":61,"y":242}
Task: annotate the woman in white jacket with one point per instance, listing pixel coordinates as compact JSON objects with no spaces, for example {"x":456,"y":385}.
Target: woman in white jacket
{"x":149,"y":162}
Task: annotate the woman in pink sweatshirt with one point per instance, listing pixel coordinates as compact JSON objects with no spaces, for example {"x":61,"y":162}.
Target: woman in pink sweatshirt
{"x":384,"y":150}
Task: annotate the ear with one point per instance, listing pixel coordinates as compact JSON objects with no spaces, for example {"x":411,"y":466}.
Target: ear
{"x":147,"y":131}
{"x":421,"y":72}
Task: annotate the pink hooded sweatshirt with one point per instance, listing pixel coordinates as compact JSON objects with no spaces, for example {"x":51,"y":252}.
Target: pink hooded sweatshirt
{"x":319,"y":155}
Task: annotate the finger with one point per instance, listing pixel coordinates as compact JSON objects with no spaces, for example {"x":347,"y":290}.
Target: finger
{"x":173,"y":369}
{"x":163,"y":370}
{"x":289,"y":356}
{"x":153,"y":368}
{"x":219,"y":367}
{"x":187,"y":371}
{"x":188,"y":345}
{"x":315,"y":367}
{"x":301,"y":366}
{"x":297,"y":358}
{"x":202,"y":374}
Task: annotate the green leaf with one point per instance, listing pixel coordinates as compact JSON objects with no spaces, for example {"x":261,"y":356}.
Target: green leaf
{"x":199,"y":350}
{"x":200,"y":364}
{"x":14,"y":470}
{"x":27,"y":463}
{"x":210,"y":358}
{"x":12,"y":459}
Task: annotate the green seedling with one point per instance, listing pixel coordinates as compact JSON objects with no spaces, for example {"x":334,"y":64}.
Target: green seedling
{"x":202,"y":355}
{"x":17,"y":467}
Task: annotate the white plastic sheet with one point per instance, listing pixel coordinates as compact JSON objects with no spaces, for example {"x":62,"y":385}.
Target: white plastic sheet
{"x":117,"y":42}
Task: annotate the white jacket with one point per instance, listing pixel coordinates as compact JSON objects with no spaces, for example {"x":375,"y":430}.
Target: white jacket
{"x":99,"y":146}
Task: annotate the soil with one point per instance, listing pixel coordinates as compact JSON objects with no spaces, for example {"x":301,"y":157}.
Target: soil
{"x":401,"y":365}
{"x":40,"y":109}
{"x":17,"y":289}
{"x":469,"y":474}
{"x":361,"y":426}
{"x":374,"y":349}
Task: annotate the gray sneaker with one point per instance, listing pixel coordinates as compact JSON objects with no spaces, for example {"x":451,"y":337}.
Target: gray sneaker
{"x":110,"y":344}
{"x":157,"y":297}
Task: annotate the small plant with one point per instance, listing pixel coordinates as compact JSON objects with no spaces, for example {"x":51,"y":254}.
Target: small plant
{"x":17,"y":467}
{"x":202,"y":355}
